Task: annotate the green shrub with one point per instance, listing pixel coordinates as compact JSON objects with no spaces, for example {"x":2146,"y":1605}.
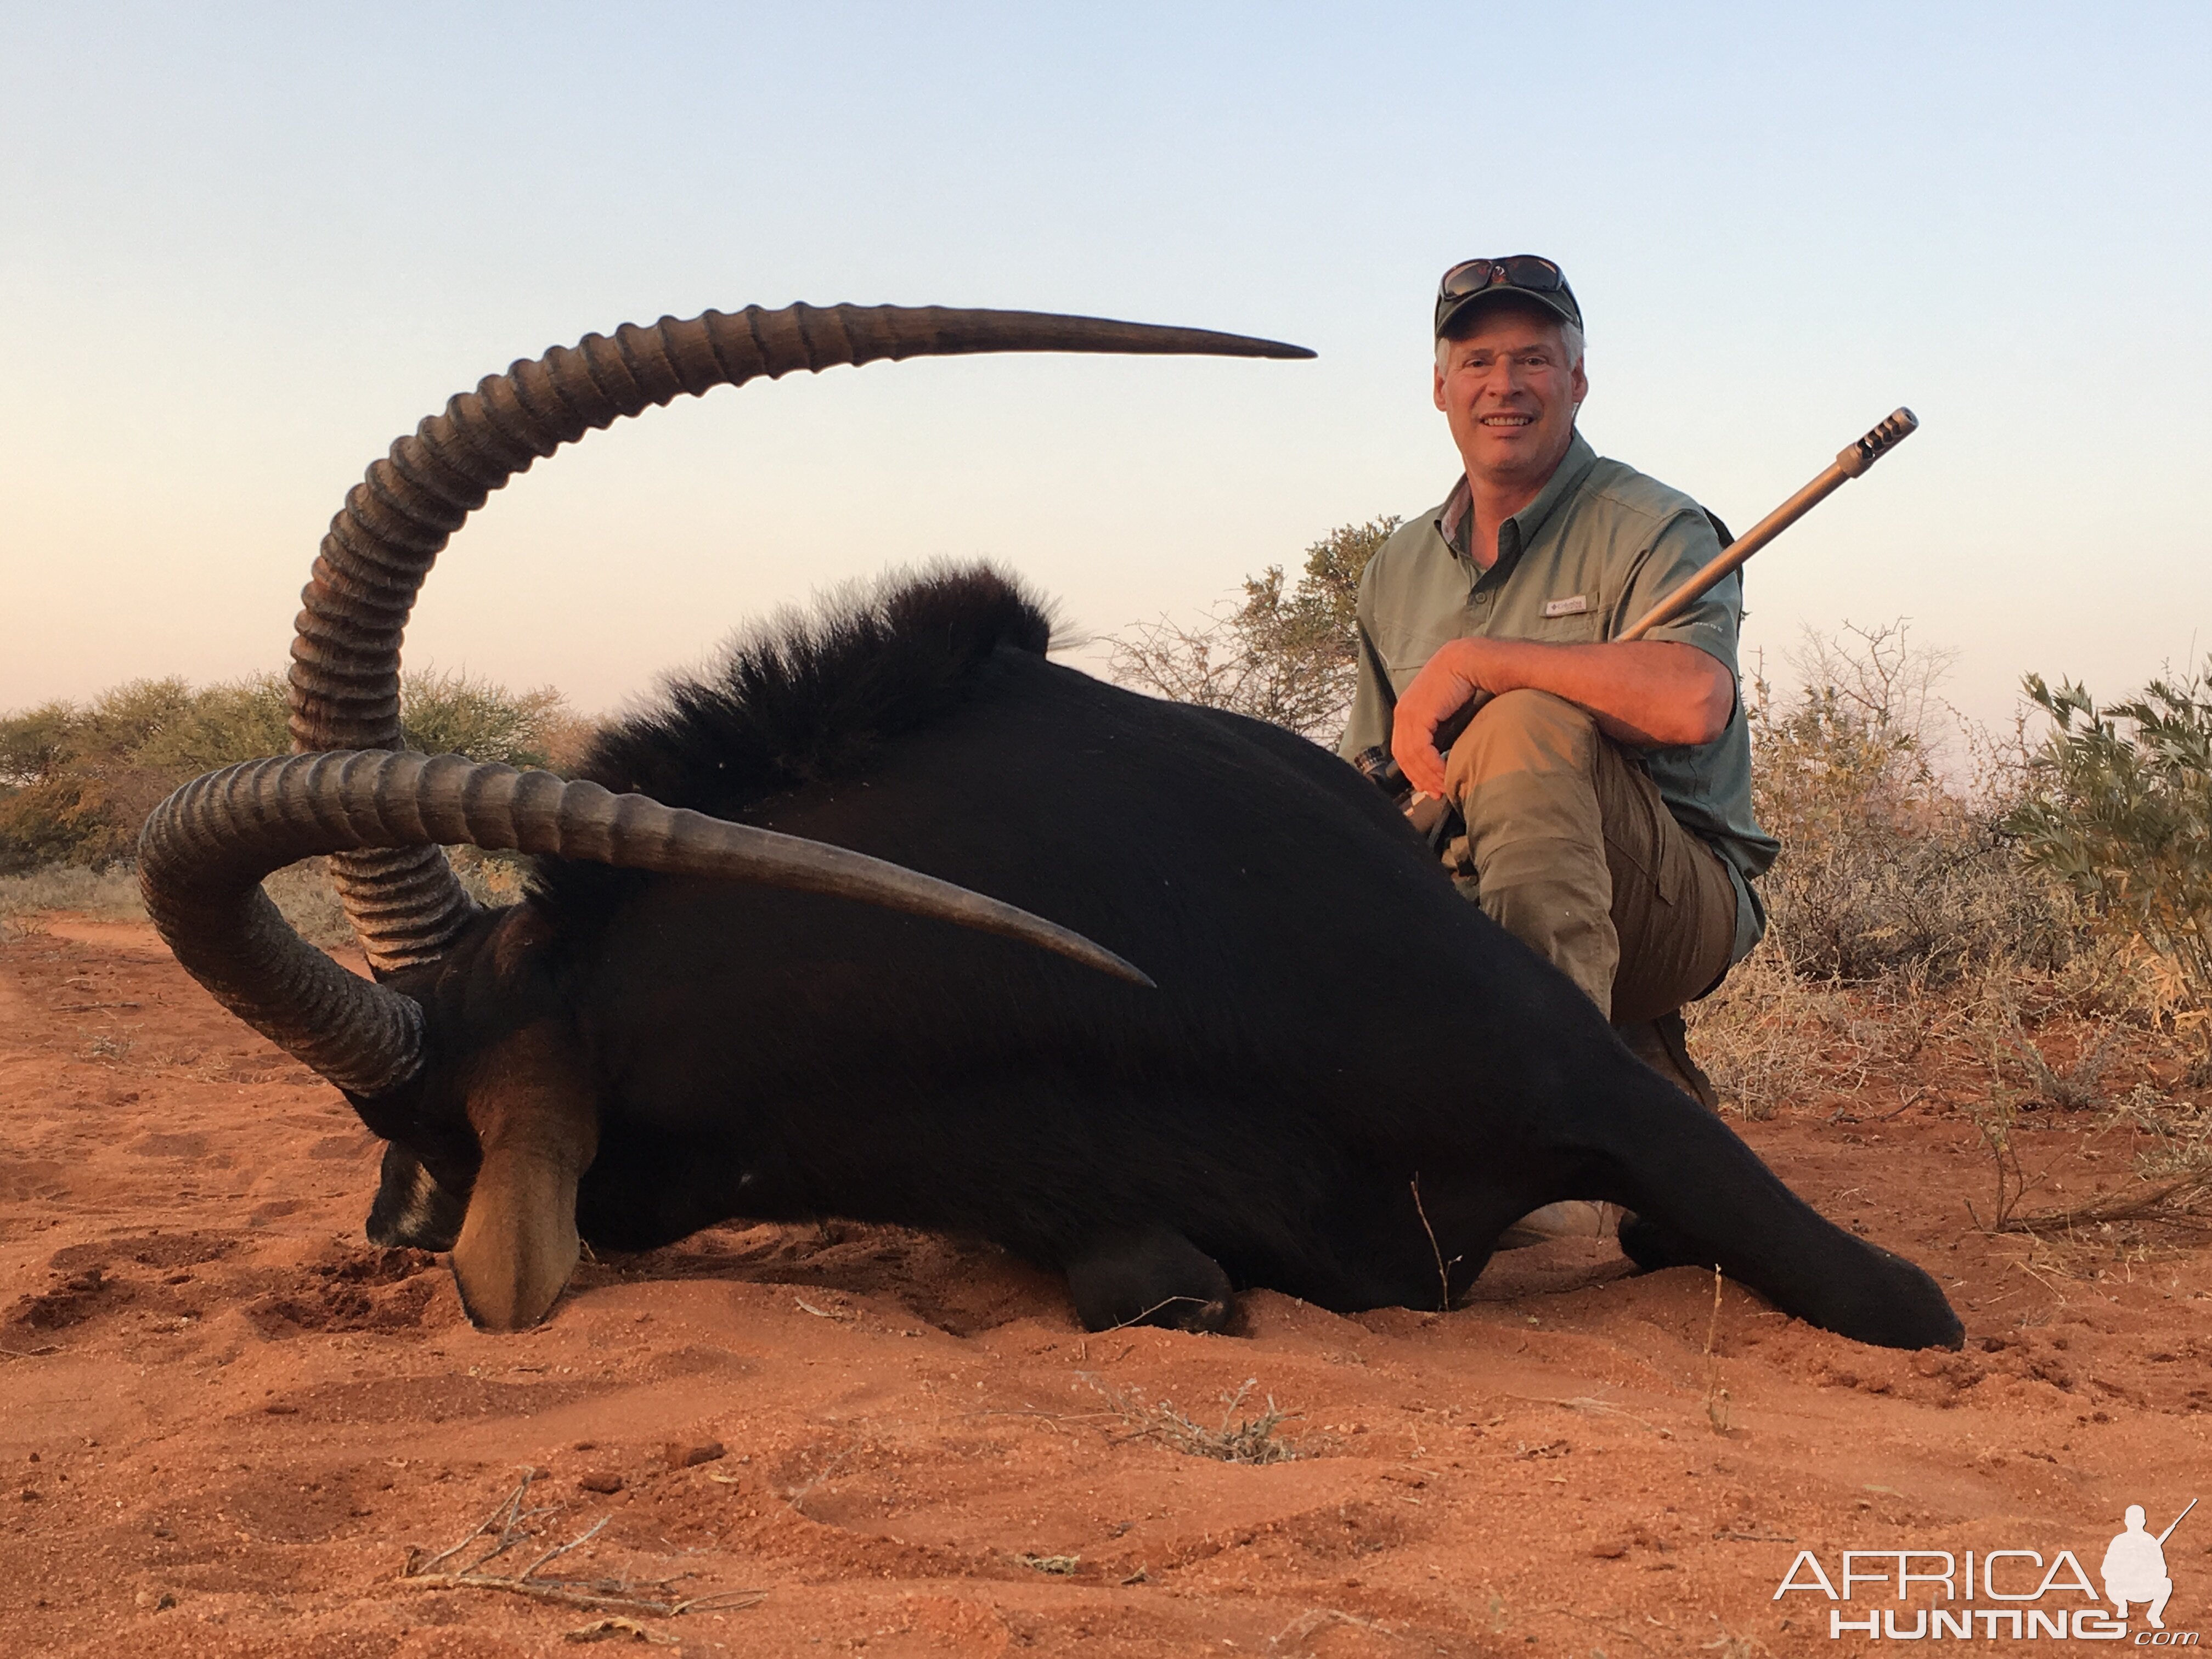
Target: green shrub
{"x":456,"y":714}
{"x":2121,"y":811}
{"x":237,"y":721}
{"x":1288,"y":653}
{"x":81,"y":789}
{"x":77,"y":782}
{"x":111,"y":894}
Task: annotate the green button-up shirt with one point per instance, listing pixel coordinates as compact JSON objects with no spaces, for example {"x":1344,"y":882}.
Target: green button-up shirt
{"x":1597,"y":549}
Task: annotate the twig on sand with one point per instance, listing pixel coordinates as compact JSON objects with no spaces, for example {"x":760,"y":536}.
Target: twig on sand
{"x":1140,"y":1318}
{"x":1443,"y":1269}
{"x":2030,"y":1272}
{"x":618,"y":1630}
{"x":2170,"y":1202}
{"x":39,"y":1352}
{"x":1905,"y":1101}
{"x":1584,"y":1403}
{"x":1296,"y":1632}
{"x":508,"y":1527}
{"x":1717,"y":1397}
{"x":799,"y":1497}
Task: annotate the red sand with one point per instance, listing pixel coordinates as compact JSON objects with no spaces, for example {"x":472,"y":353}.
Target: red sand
{"x":224,"y":1418}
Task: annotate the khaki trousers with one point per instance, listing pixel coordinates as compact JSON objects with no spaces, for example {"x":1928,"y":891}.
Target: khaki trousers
{"x":1570,"y":847}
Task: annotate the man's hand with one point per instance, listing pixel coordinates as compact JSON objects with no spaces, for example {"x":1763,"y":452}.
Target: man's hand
{"x":1647,"y":694}
{"x":1446,"y":684}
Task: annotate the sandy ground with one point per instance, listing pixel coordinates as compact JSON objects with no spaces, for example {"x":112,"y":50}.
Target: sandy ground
{"x":225,"y":1419}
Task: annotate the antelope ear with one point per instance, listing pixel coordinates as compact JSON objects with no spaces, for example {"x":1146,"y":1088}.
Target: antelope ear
{"x":519,"y":1245}
{"x":539,"y":1132}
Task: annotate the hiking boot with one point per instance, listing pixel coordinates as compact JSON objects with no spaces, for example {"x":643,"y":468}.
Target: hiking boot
{"x":1663,"y":1045}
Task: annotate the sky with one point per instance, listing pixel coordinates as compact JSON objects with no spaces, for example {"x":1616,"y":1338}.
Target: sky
{"x":243,"y":247}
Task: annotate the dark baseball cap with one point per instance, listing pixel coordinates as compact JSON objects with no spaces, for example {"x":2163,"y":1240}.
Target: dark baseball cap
{"x":1473,"y":282}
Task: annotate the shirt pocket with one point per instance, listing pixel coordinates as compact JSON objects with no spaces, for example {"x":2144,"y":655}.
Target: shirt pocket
{"x":1577,"y":615}
{"x":1406,"y":650}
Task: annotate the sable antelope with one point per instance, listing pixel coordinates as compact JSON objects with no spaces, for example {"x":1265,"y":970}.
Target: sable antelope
{"x":731,"y":992}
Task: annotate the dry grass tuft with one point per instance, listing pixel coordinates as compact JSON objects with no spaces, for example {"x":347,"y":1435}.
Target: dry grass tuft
{"x":616,"y":1628}
{"x":2179,"y":1132}
{"x":301,"y":892}
{"x":1996,"y":1030}
{"x":2172,"y":1171}
{"x":1250,"y":1439}
{"x":1769,"y":1032}
{"x":1903,"y":913}
{"x":111,"y":895}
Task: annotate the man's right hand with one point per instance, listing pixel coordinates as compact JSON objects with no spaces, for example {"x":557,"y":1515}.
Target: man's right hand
{"x":1445,"y":685}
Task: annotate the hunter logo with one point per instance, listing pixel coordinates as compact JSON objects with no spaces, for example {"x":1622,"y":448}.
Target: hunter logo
{"x":2029,"y":1596}
{"x":2134,"y":1567}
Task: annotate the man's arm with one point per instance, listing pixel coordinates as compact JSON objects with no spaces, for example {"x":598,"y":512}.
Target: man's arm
{"x":1649,"y":694}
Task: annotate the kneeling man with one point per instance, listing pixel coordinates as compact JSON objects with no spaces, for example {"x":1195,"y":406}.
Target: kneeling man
{"x":2135,"y":1569}
{"x":1605,"y":785}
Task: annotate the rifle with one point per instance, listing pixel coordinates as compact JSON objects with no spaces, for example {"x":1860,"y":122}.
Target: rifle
{"x":2178,"y":1520}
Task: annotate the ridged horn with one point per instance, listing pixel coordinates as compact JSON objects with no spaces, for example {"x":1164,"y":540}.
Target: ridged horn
{"x":405,"y":905}
{"x":206,"y":849}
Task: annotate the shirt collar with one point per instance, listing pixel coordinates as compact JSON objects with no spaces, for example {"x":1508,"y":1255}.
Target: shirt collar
{"x":1453,"y":516}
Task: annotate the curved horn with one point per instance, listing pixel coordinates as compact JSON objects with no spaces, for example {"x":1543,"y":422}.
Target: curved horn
{"x":206,"y":849}
{"x":405,"y":905}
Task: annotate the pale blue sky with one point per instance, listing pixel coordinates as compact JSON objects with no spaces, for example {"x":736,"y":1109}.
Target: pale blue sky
{"x":243,"y":247}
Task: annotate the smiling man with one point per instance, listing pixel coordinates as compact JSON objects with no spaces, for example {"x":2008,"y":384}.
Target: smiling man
{"x":1605,"y":786}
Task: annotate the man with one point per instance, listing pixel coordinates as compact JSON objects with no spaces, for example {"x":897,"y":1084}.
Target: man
{"x":1604,"y":784}
{"x":2133,"y":1568}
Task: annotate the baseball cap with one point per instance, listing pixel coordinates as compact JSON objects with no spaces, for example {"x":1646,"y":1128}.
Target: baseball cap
{"x":1473,"y":282}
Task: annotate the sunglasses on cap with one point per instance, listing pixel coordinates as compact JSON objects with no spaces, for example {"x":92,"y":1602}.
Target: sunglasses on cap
{"x":1521,"y":271}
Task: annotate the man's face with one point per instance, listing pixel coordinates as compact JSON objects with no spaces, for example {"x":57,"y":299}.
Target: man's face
{"x":1509,"y":396}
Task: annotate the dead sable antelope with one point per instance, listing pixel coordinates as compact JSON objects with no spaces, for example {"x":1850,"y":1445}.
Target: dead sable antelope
{"x":732,"y":990}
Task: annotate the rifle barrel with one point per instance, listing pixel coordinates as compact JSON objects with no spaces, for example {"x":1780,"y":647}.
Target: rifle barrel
{"x":2178,"y":1520}
{"x":1854,"y":460}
